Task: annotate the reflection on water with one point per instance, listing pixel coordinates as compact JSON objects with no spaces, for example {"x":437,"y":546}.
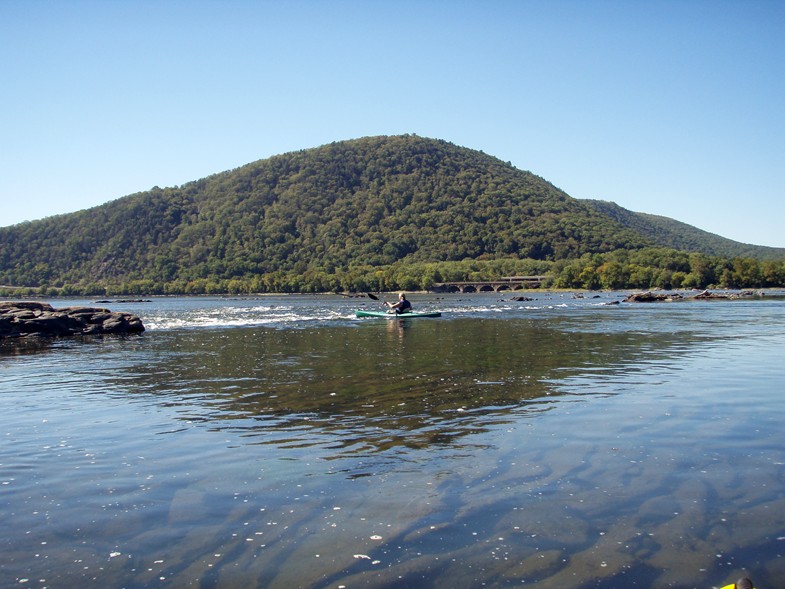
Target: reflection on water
{"x":588,"y":447}
{"x":377,"y":386}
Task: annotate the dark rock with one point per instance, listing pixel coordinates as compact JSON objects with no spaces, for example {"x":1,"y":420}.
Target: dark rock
{"x":25,"y":319}
{"x":521,"y":299}
{"x":84,"y":310}
{"x":101,"y":317}
{"x":48,"y":324}
{"x":21,"y":314}
{"x":33,"y":306}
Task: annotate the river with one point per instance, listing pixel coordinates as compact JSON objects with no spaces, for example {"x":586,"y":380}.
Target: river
{"x":280,"y":442}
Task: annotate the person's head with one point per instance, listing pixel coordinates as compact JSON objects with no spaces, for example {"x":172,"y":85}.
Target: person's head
{"x":402,"y":296}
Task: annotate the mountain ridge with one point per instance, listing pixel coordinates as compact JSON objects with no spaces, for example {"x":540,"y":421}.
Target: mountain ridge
{"x":682,"y":236}
{"x":369,"y":202}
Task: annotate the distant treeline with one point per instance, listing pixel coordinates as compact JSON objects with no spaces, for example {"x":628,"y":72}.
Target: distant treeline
{"x":643,"y":269}
{"x":666,"y":269}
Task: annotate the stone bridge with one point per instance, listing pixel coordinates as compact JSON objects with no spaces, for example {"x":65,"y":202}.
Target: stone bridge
{"x":507,"y":283}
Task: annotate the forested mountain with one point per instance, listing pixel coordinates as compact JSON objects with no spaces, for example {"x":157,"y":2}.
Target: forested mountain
{"x":674,"y":234}
{"x":321,"y":219}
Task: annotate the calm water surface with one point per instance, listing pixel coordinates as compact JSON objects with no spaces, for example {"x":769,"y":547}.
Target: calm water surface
{"x":280,"y":442}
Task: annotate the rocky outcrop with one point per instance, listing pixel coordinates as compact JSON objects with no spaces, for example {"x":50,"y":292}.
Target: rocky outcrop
{"x":726,"y":295}
{"x":650,"y":297}
{"x":24,"y":319}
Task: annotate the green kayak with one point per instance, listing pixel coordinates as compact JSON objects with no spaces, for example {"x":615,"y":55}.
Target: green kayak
{"x":396,"y":316}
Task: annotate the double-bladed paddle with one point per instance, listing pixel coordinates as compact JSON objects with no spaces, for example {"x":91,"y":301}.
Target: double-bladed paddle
{"x":375,"y":298}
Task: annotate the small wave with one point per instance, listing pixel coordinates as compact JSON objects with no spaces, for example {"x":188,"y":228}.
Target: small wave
{"x":241,"y":318}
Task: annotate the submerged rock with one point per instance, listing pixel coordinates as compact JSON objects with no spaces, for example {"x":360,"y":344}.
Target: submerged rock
{"x":23,"y":319}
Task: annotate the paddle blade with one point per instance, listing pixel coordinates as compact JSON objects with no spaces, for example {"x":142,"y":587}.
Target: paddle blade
{"x":372,"y":296}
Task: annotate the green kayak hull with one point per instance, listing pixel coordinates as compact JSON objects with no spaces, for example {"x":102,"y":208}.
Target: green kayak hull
{"x":394,"y":316}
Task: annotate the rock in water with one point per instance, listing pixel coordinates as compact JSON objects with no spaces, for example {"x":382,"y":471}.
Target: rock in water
{"x":22,"y":319}
{"x":650,"y":297}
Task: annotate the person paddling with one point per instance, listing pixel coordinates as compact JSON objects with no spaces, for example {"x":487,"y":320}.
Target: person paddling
{"x":402,"y":306}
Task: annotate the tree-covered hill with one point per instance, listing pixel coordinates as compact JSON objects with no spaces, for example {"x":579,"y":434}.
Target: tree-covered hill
{"x":674,"y":234}
{"x":338,"y":211}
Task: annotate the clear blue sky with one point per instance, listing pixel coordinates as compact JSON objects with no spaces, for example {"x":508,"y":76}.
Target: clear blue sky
{"x":675,"y":108}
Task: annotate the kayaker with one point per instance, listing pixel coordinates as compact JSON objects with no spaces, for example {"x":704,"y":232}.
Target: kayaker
{"x":402,"y":306}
